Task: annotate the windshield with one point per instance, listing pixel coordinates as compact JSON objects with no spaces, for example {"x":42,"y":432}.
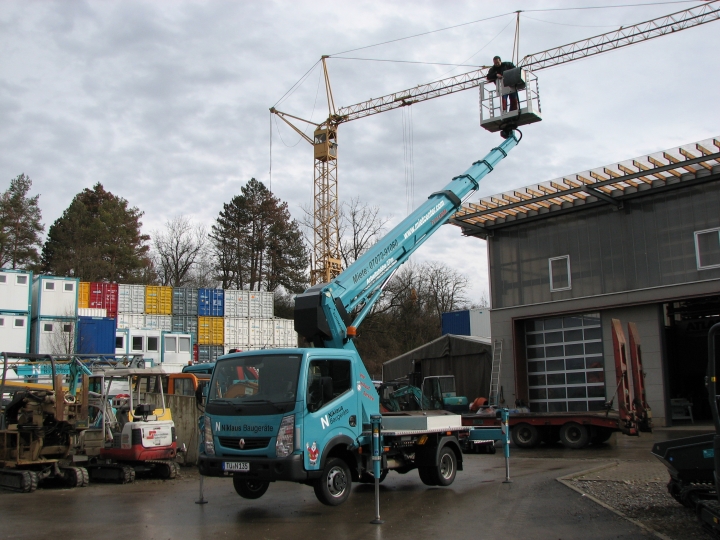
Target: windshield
{"x":250,"y":380}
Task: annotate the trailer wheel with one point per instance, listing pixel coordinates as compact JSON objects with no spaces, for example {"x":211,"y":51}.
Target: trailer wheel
{"x":249,"y":489}
{"x":333,"y":487}
{"x":574,"y":435}
{"x":525,"y":435}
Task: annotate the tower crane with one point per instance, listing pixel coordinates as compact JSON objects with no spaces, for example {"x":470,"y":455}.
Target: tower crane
{"x":326,"y":241}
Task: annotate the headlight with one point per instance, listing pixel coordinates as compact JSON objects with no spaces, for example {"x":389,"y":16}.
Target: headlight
{"x":285,"y":442}
{"x":209,"y":443}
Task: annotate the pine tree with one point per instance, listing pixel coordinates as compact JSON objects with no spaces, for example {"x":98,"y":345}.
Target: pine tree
{"x":257,"y":244}
{"x":20,"y":226}
{"x":98,"y":238}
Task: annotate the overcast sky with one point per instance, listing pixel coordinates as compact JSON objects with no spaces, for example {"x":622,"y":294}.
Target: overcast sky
{"x":166,"y":102}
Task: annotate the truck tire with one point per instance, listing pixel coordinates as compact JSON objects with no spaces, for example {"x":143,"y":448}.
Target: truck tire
{"x":333,"y":487}
{"x":574,"y":435}
{"x":525,"y":435}
{"x":442,"y":474}
{"x":249,"y":489}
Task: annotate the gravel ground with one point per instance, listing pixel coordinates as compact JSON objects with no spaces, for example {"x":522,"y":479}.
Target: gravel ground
{"x":649,"y":503}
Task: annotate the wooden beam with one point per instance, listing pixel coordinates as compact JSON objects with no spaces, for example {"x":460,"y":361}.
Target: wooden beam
{"x":659,"y":163}
{"x":688,"y":155}
{"x":646,"y":168}
{"x":628,"y":170}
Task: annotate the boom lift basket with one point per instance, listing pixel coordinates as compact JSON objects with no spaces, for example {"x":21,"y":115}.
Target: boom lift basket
{"x":518,"y":81}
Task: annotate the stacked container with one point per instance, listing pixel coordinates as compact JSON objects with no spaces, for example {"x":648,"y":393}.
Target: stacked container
{"x":158,"y":300}
{"x":260,"y":305}
{"x":54,"y":315}
{"x":140,"y":320}
{"x":84,"y":295}
{"x":185,"y":311}
{"x":15,"y":301}
{"x":237,"y":332}
{"x":131,"y":299}
{"x":211,"y":302}
{"x":209,"y":353}
{"x":236,"y":304}
{"x":103,"y":295}
{"x":95,"y":335}
{"x":210,"y":330}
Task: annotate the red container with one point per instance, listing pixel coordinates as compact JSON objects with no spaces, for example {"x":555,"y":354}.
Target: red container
{"x":104,"y":296}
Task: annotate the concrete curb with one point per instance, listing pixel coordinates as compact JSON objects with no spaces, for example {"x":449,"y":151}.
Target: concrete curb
{"x":567,"y":481}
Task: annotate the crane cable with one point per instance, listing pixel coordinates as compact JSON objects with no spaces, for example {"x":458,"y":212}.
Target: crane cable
{"x":408,"y":158}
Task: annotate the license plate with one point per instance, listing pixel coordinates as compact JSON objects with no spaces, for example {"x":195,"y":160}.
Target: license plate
{"x":242,"y":466}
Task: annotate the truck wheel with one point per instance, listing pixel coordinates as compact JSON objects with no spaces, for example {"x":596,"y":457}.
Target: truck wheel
{"x":249,"y":489}
{"x":443,"y":474}
{"x":574,"y":435}
{"x":333,"y":487}
{"x":525,"y":435}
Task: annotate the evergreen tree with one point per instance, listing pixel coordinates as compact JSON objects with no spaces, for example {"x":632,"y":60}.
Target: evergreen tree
{"x":20,"y":226}
{"x":98,"y":238}
{"x":257,"y":244}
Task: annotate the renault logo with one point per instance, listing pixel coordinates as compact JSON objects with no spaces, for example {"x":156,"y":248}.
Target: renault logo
{"x":242,"y":443}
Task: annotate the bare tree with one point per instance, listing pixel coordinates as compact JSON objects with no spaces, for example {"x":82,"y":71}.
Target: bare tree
{"x":445,"y":287}
{"x":177,"y":249}
{"x":361,"y":227}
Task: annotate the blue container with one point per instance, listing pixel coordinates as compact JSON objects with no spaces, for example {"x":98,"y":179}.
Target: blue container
{"x":95,"y":335}
{"x":211,"y":302}
{"x":456,"y":323}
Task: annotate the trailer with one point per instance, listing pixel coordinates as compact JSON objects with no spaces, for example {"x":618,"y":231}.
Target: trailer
{"x":578,"y":429}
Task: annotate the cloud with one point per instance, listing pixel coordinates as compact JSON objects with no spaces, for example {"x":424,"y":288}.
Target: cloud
{"x":166,"y":103}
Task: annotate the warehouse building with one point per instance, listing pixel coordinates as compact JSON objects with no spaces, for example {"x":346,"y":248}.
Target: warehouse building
{"x":637,"y":241}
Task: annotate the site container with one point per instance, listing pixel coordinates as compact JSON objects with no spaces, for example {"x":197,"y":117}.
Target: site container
{"x":468,"y":322}
{"x":15,"y":332}
{"x":260,"y":305}
{"x":186,"y":324}
{"x":104,"y":295}
{"x":177,"y":351}
{"x":209,"y":353}
{"x":55,"y":297}
{"x":53,"y":335}
{"x":15,"y":291}
{"x":83,"y":295}
{"x":131,"y":299}
{"x":261,"y":333}
{"x":144,"y":341}
{"x":210,"y":331}
{"x":236,"y":331}
{"x":184,"y":301}
{"x":285,"y":335}
{"x":211,"y":302}
{"x":236,"y":303}
{"x":158,"y":300}
{"x":95,"y":335}
{"x":91,"y":312}
{"x":161,"y":322}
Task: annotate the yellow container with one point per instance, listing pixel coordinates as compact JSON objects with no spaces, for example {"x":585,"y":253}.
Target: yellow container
{"x":211,"y":331}
{"x":84,"y":294}
{"x":158,"y":300}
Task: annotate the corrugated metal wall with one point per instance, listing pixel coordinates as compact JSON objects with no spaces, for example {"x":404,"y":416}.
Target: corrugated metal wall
{"x":648,"y":243}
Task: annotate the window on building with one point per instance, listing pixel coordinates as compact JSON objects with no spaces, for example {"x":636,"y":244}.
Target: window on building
{"x":565,"y":363}
{"x":69,"y":287}
{"x":2,"y":321}
{"x":119,"y":342}
{"x":20,"y":322}
{"x":559,"y":268}
{"x":152,"y":343}
{"x":137,"y":343}
{"x":170,"y":344}
{"x":707,"y":248}
{"x":184,"y":344}
{"x":47,"y":327}
{"x":49,"y":286}
{"x":67,"y":328}
{"x":3,"y":278}
{"x":21,"y":280}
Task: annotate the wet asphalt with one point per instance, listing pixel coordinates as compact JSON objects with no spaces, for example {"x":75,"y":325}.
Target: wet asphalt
{"x":477,"y":505}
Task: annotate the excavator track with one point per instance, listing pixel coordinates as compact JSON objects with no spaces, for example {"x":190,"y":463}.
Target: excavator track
{"x":18,"y":480}
{"x":75,"y":476}
{"x":165,"y":469}
{"x":121,"y":474}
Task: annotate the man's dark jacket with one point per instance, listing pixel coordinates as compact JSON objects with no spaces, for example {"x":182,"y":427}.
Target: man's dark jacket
{"x":494,"y":70}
